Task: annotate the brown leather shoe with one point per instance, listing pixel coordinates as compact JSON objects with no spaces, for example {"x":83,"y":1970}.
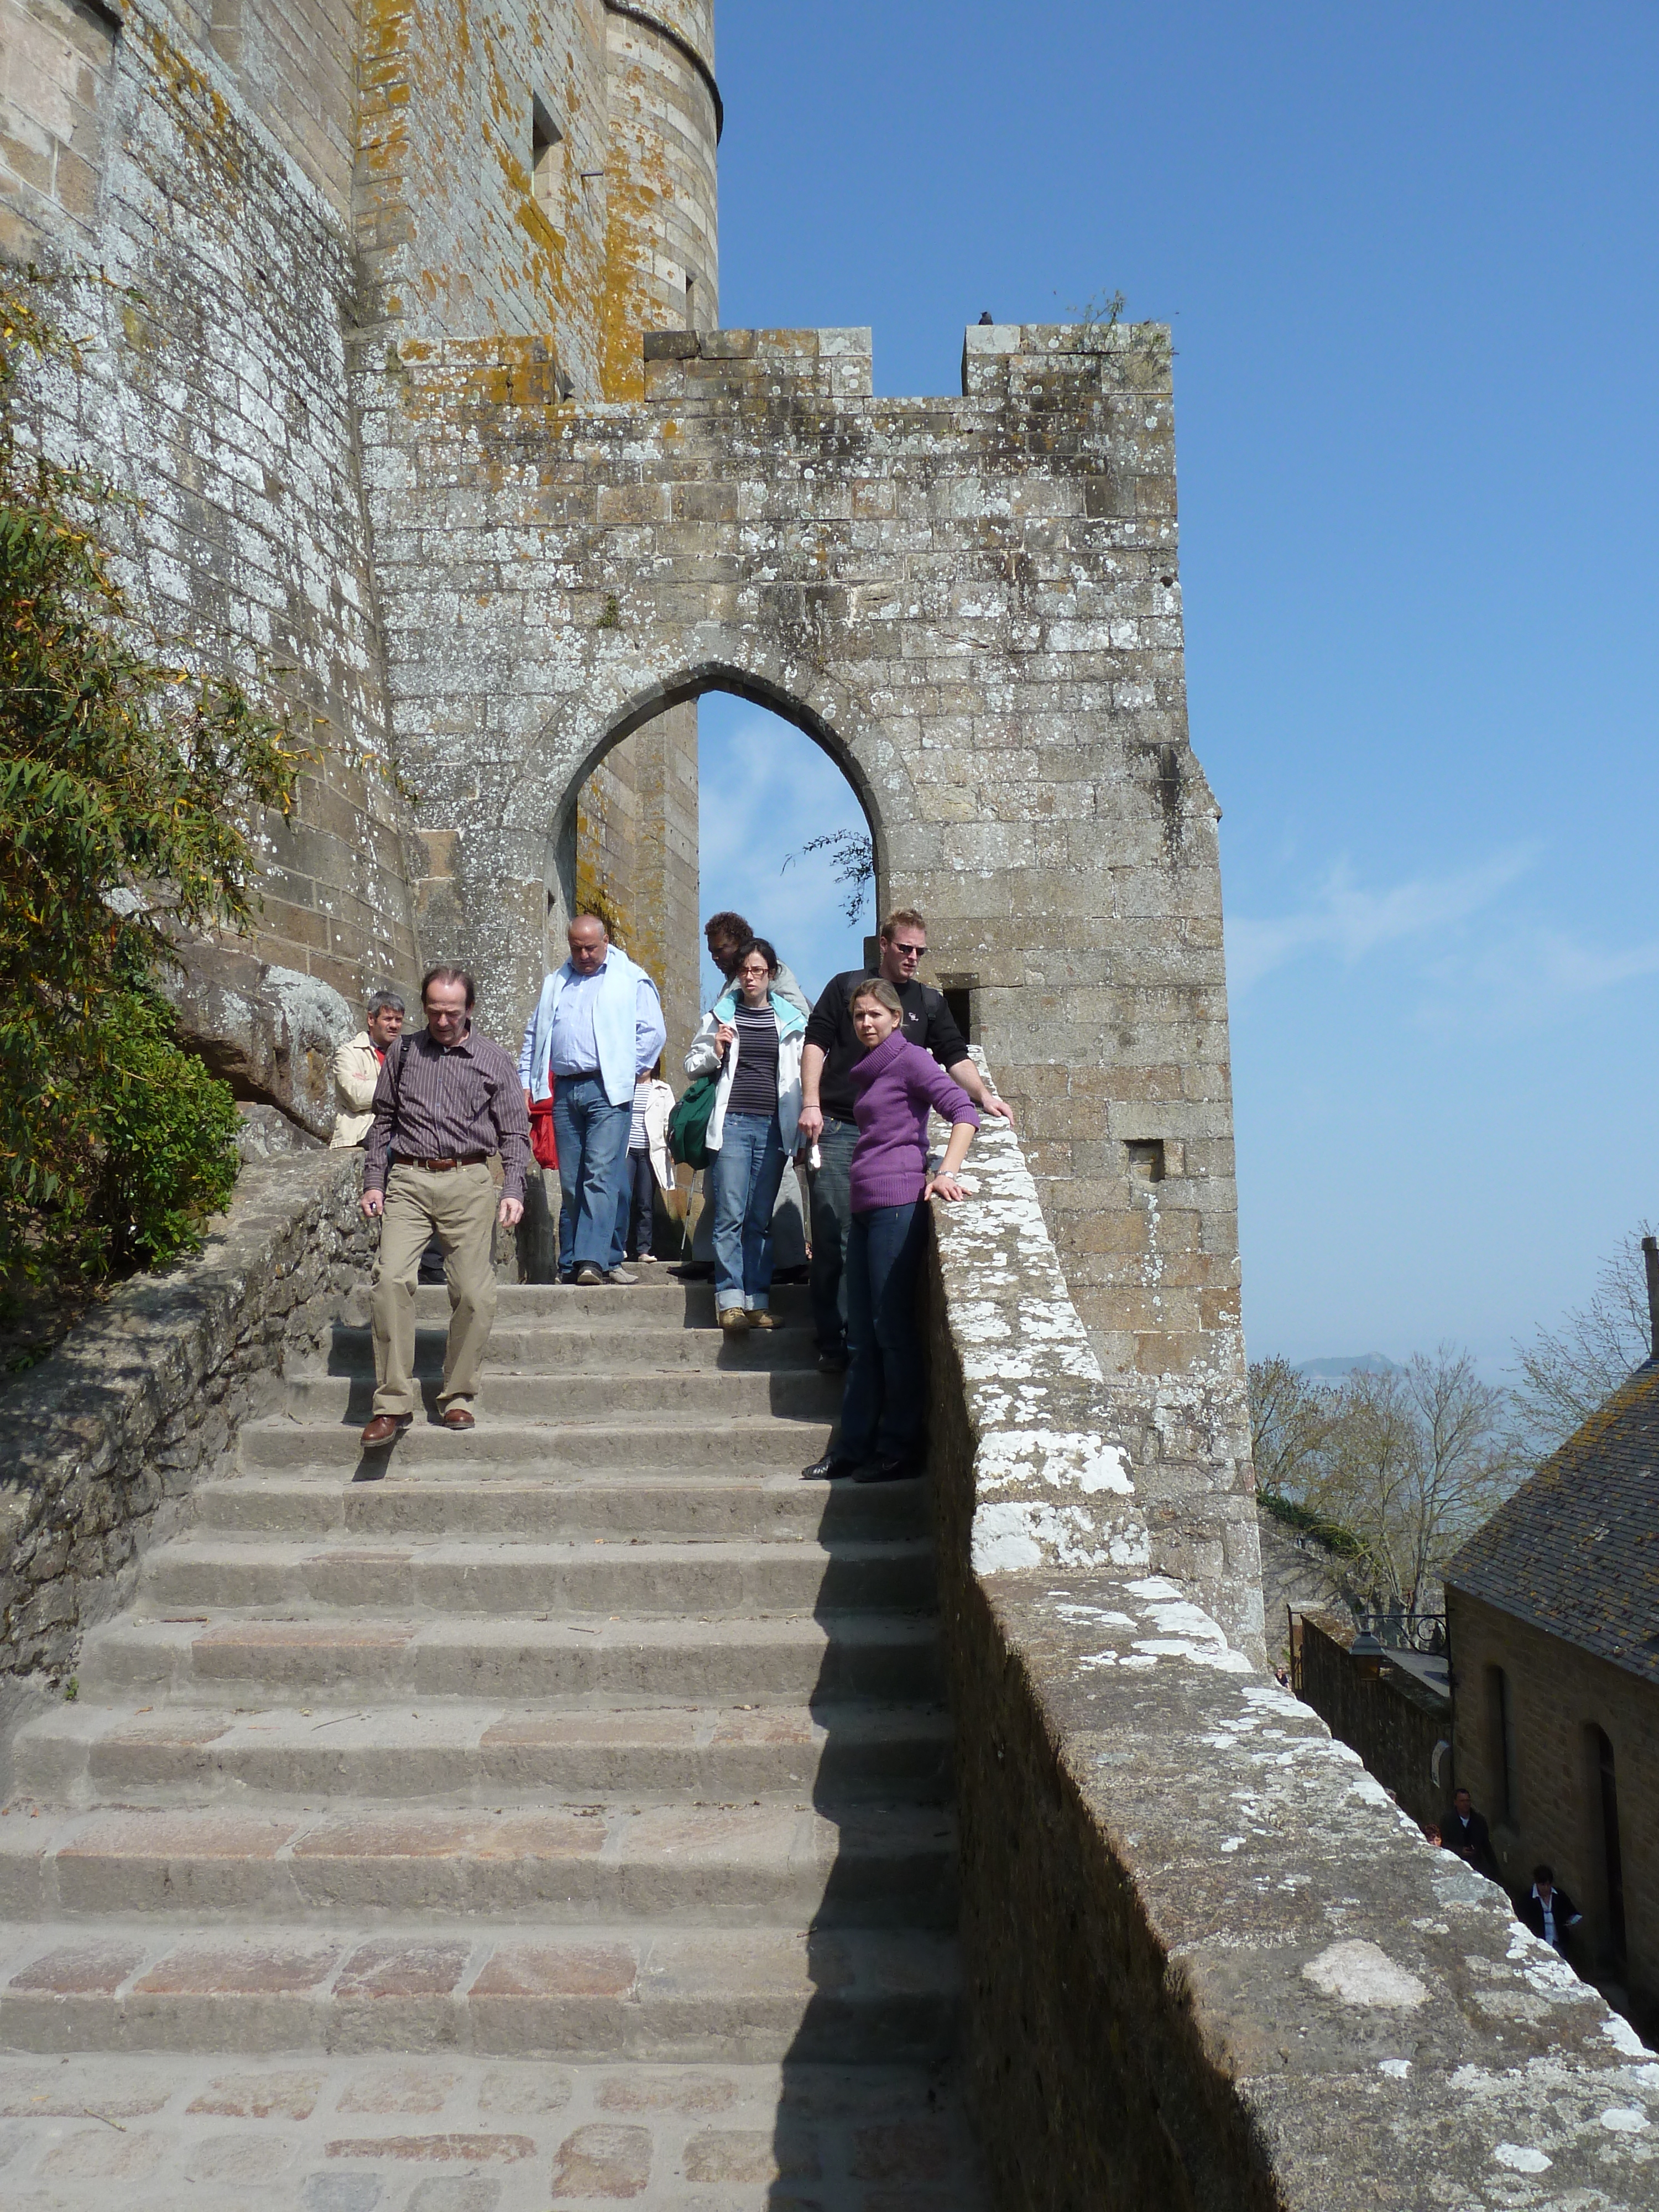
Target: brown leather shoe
{"x":457,"y":1418}
{"x":385,"y":1429}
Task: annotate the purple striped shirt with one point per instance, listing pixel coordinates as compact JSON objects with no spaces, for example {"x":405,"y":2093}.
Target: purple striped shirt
{"x":449,"y":1100}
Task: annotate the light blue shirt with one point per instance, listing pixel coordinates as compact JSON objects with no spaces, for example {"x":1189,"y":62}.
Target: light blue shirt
{"x":575,"y":1049}
{"x":581,"y":1023}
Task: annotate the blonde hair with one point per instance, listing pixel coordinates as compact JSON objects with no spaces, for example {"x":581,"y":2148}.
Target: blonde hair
{"x":878,"y":988}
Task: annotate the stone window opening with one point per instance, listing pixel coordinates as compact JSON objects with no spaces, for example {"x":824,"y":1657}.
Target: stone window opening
{"x":1500,"y":1723}
{"x":1146,"y":1160}
{"x":547,"y":163}
{"x":1608,"y":1857}
{"x":690,"y":302}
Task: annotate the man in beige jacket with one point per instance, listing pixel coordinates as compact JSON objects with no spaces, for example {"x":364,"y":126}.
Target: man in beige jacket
{"x":357,"y":1069}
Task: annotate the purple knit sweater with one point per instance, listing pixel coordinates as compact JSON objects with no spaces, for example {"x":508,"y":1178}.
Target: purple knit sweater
{"x":893,"y":1087}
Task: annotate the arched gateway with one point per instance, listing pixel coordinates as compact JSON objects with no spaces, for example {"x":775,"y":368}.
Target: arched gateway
{"x":972,"y":604}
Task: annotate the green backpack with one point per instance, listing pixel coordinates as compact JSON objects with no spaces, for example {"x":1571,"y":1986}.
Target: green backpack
{"x":688,"y":1125}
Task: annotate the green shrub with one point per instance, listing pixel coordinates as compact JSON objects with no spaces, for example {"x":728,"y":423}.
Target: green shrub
{"x":125,"y":779}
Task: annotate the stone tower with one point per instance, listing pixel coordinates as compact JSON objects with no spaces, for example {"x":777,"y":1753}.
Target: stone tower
{"x":422,"y":380}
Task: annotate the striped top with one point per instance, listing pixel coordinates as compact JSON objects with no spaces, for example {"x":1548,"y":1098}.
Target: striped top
{"x":447,"y":1101}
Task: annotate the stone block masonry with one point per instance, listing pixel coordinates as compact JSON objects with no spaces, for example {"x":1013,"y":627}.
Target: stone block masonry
{"x":211,"y":386}
{"x":109,"y":1437}
{"x":973,"y":604}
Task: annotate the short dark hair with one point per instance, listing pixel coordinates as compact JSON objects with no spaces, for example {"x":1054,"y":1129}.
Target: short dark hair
{"x":449,"y":975}
{"x":1545,"y":1875}
{"x":760,"y":944}
{"x":728,"y":924}
{"x":380,"y":1001}
{"x":1461,"y":1791}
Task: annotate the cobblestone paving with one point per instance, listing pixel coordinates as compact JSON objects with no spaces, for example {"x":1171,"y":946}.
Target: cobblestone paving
{"x":431,"y":2134}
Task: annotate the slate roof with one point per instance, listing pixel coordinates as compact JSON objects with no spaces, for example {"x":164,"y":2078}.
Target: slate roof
{"x":1575,"y":1551}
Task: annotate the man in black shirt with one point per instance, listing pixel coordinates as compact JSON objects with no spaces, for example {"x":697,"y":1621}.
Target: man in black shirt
{"x":826,"y":1114}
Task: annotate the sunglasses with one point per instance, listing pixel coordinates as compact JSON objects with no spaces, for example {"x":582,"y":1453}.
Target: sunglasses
{"x":910,"y":952}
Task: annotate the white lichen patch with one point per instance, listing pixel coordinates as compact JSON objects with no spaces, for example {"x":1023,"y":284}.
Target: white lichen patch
{"x":1360,"y":1972}
{"x":1625,"y":2120}
{"x":1520,"y":2158}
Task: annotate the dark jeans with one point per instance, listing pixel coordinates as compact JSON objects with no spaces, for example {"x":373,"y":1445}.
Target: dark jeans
{"x":832,"y":1218}
{"x":882,"y":1407}
{"x":745,"y":1174}
{"x":637,"y":1203}
{"x":593,"y":1140}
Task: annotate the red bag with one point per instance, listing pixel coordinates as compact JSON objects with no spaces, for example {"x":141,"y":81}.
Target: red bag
{"x":544,"y":1146}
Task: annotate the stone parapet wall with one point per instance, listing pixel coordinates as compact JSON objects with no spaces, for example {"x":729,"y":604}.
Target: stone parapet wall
{"x":106,"y":1438}
{"x":1209,"y":1965}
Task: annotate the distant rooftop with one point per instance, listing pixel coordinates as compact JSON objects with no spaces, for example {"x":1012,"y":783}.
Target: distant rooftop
{"x":1575,"y":1551}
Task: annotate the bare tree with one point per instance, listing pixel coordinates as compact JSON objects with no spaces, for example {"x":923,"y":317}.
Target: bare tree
{"x":1410,"y":1463}
{"x":1289,"y":1417}
{"x":1567,"y":1372}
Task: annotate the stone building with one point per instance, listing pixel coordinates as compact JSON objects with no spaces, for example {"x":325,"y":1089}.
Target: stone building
{"x":1553,"y":1612}
{"x":417,"y":369}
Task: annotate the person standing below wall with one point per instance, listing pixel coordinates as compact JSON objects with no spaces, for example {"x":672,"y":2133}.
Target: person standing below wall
{"x":726,"y":934}
{"x":597,"y":1026}
{"x":754,"y":1036}
{"x":826,"y":1117}
{"x":357,"y":1067}
{"x":883,"y":1408}
{"x":650,"y":1166}
{"x":447,"y":1101}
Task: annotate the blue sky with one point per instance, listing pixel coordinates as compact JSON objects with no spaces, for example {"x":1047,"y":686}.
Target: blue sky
{"x":1408,"y":259}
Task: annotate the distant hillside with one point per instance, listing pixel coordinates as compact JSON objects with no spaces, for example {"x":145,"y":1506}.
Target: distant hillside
{"x":1358,"y":1363}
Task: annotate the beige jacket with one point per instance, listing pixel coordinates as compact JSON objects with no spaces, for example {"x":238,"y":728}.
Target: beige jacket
{"x":356,"y":1072}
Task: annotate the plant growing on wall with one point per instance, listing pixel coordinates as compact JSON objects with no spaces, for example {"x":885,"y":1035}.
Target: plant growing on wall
{"x":125,"y":782}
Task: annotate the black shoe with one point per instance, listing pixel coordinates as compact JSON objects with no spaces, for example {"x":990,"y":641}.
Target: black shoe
{"x":902,"y":1467}
{"x":830,"y":1468}
{"x":831,"y":1362}
{"x":695,"y":1270}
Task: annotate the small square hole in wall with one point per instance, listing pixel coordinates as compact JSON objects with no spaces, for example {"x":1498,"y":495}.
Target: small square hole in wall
{"x":1145,"y":1159}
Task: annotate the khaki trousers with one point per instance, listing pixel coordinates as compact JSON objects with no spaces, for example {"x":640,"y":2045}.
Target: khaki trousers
{"x":460,"y":1205}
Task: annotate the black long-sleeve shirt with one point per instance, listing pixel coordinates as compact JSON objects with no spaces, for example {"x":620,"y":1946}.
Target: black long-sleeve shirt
{"x":927,"y":1022}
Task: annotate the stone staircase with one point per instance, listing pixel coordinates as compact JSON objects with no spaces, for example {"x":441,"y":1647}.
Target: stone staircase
{"x":592,"y":1763}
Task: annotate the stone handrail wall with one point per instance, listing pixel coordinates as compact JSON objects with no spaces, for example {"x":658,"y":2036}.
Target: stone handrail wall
{"x":107,"y":1436}
{"x":1209,"y":1963}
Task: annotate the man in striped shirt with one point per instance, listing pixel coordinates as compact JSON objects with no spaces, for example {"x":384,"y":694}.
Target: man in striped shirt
{"x":447,"y":1100}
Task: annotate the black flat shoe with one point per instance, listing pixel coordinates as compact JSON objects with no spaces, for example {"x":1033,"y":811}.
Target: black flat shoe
{"x":830,"y":1468}
{"x":903,"y":1469}
{"x":830,"y":1363}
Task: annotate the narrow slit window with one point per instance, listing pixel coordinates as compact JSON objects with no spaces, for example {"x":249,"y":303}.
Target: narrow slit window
{"x":1500,"y":1718}
{"x":690,"y":302}
{"x":547,"y":163}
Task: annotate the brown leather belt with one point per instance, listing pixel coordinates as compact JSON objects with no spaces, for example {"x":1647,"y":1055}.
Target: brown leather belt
{"x":442,"y":1167}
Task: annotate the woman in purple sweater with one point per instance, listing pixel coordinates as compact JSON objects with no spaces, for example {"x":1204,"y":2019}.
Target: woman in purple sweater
{"x":894,"y":1084}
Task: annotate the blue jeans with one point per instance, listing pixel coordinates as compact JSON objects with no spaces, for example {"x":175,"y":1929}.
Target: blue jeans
{"x":636,"y":1203}
{"x":832,"y":1216}
{"x":882,"y":1409}
{"x":745,"y":1173}
{"x":592,"y":1139}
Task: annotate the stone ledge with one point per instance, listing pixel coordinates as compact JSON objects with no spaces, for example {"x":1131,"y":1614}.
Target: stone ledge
{"x":1209,"y":1963}
{"x":152,"y":1386}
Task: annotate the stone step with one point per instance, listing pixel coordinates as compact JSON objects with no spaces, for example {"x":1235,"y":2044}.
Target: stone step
{"x":545,"y":1346}
{"x":566,"y":1393}
{"x":427,"y":1503}
{"x":593,"y":1578}
{"x":340,"y":1660}
{"x":553,"y":1444}
{"x":461,"y":1753}
{"x":700,"y":1866}
{"x":677,"y":1995}
{"x":655,"y":1297}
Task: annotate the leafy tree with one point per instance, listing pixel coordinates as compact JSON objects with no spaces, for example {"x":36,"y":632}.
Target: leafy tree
{"x":1412,"y":1462}
{"x":1567,"y":1372}
{"x":1289,"y":1417}
{"x":125,"y":781}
